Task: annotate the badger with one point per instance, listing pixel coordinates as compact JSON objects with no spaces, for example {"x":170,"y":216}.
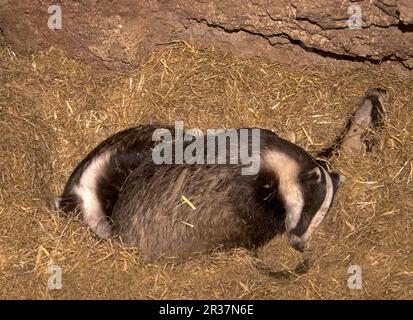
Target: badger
{"x":291,"y":193}
{"x":94,"y":185}
{"x":180,"y":210}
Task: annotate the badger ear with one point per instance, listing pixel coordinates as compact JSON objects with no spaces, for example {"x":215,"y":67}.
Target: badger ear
{"x":337,"y":180}
{"x":313,"y":175}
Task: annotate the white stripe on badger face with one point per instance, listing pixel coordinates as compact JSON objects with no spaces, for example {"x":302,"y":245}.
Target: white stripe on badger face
{"x":287,"y":169}
{"x":92,"y":211}
{"x":320,"y":214}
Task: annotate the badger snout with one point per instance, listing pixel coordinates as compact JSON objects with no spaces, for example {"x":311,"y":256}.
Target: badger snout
{"x":297,"y":243}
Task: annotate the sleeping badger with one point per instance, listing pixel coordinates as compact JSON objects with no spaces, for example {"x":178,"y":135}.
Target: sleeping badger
{"x":178,"y":210}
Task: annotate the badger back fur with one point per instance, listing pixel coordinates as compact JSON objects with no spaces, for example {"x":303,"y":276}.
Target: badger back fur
{"x":291,"y":193}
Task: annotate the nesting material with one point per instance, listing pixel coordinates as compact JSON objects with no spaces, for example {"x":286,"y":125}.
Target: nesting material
{"x":53,"y":110}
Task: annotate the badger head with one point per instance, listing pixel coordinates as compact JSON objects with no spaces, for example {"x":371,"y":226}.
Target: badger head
{"x":305,"y":188}
{"x":315,"y":193}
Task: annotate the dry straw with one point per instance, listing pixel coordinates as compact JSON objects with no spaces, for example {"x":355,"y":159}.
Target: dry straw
{"x":53,"y":110}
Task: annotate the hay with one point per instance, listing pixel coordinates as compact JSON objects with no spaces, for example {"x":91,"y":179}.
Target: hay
{"x":53,"y":110}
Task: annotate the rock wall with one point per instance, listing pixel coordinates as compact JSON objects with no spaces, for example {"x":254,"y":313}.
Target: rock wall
{"x":120,"y":34}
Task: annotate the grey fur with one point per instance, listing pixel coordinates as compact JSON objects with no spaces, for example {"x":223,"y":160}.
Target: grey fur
{"x":231,"y":209}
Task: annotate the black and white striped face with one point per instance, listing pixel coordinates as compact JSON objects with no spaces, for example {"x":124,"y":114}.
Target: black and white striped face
{"x":315,"y":193}
{"x":305,"y":188}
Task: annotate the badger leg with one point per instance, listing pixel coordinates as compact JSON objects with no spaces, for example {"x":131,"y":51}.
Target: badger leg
{"x":369,"y":114}
{"x":87,"y":192}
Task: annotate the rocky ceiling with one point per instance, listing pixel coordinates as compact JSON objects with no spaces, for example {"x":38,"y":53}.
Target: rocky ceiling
{"x":121,"y":34}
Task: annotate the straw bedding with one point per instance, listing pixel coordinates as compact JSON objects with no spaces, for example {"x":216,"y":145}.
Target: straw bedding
{"x":53,"y":110}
